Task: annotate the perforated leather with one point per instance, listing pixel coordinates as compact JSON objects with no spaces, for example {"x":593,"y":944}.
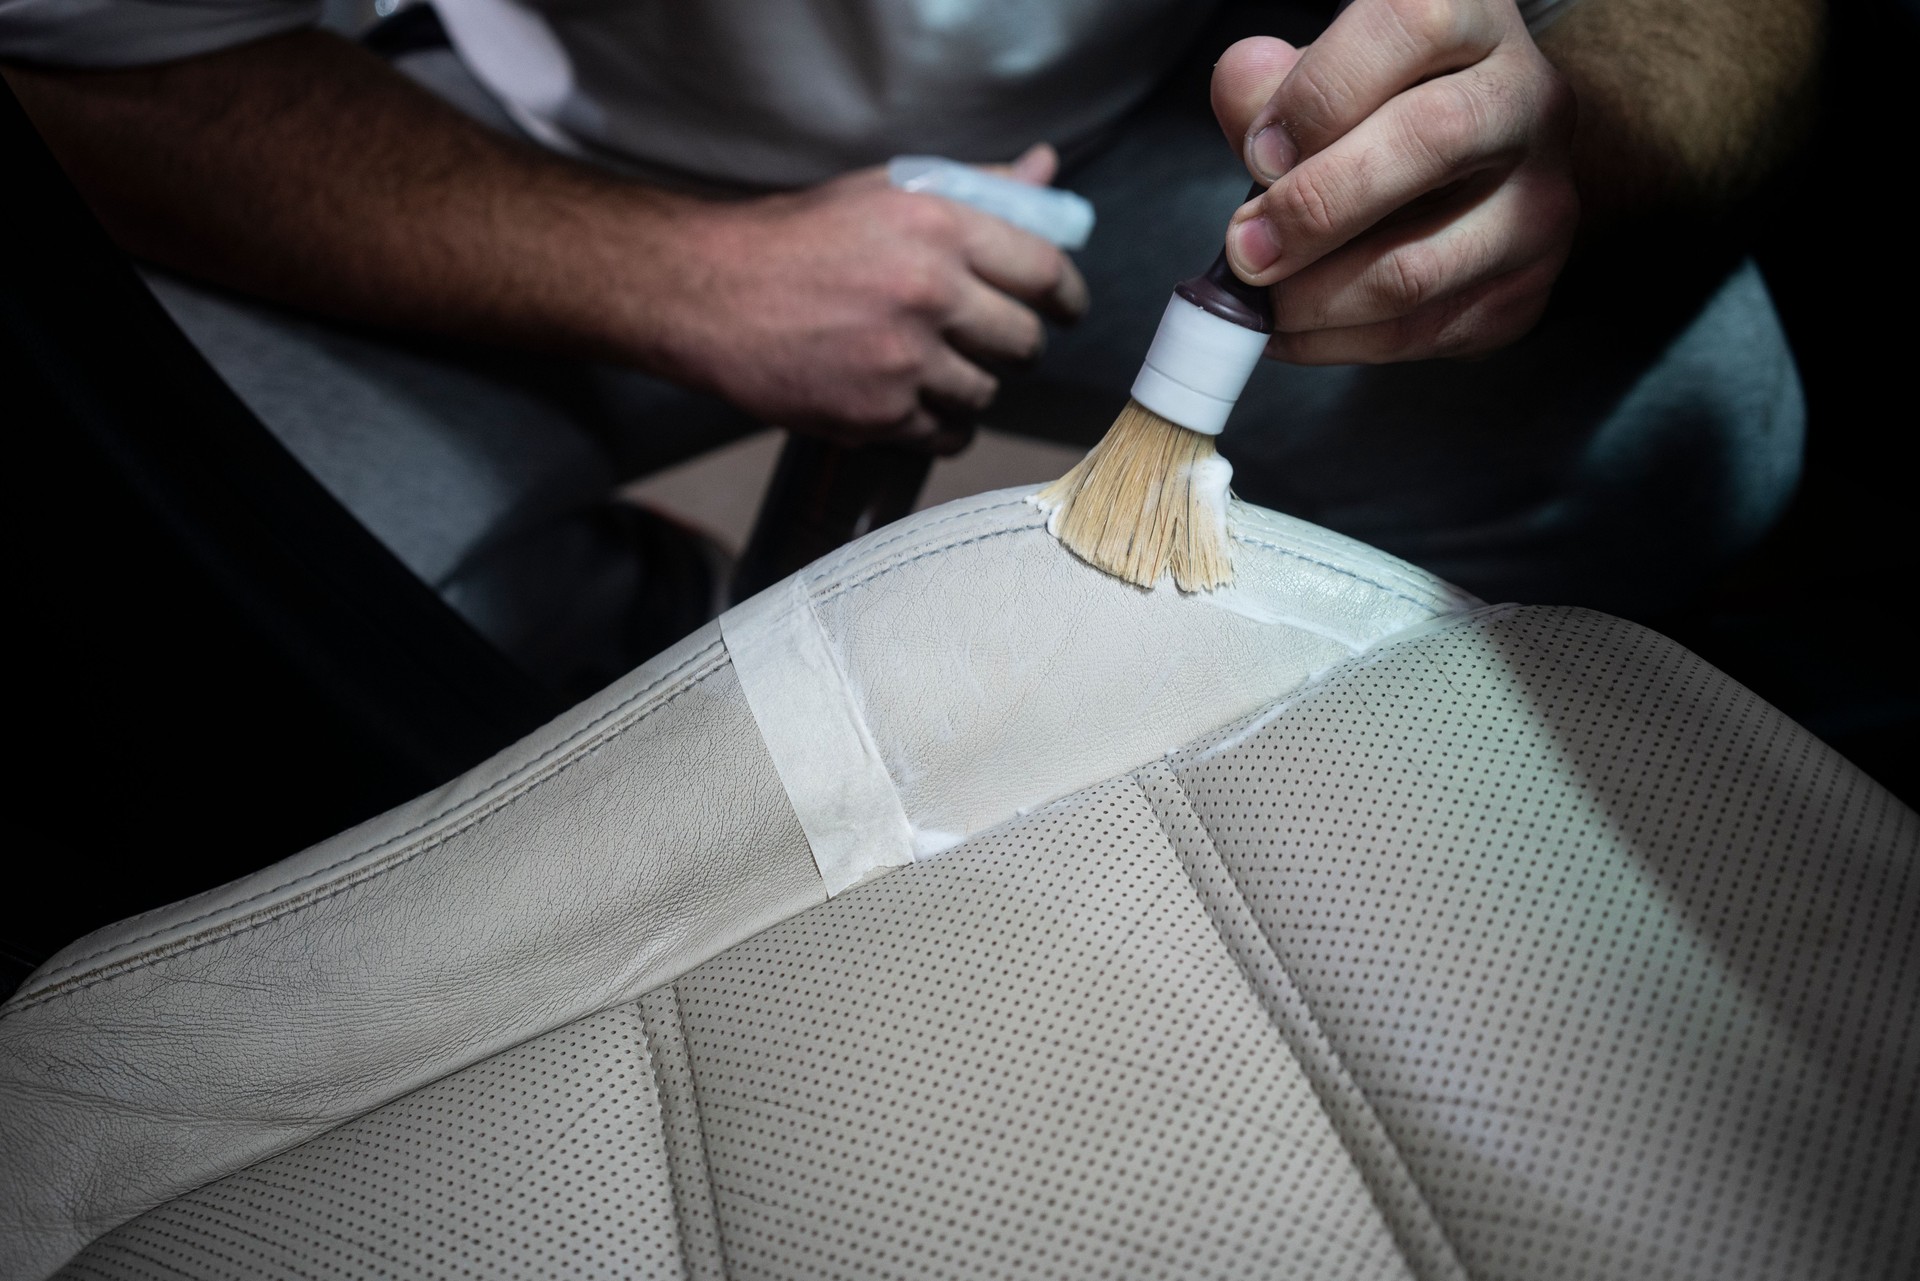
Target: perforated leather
{"x":1627,"y":964}
{"x":548,"y":1160}
{"x":1525,"y":946}
{"x":639,"y":834}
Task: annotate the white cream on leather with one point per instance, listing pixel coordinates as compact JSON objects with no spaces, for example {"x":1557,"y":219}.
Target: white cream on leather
{"x":1035,"y":674}
{"x":1523,"y":945}
{"x":640,"y":834}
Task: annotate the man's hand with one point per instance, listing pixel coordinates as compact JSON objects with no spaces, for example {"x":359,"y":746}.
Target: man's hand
{"x":1422,"y":198}
{"x":303,"y":169}
{"x":859,"y":312}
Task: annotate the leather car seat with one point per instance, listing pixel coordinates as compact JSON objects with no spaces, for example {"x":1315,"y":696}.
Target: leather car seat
{"x":951,"y":909}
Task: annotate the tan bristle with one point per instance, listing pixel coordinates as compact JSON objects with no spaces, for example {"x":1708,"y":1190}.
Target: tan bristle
{"x":1147,"y":501}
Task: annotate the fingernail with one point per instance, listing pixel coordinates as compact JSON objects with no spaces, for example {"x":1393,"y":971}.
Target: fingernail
{"x":1270,"y":152}
{"x":1252,"y":246}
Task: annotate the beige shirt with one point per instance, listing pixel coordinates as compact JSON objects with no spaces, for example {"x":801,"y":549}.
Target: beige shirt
{"x":758,"y":93}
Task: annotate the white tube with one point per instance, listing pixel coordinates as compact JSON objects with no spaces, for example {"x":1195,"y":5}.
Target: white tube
{"x":1197,"y":367}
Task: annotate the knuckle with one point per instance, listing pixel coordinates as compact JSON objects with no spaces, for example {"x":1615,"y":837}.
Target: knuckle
{"x":1305,"y":203}
{"x":884,"y":409}
{"x":925,"y":285}
{"x":1413,"y":276}
{"x":923,"y":216}
{"x":1431,"y":23}
{"x":1461,"y":120}
{"x":892,"y":355}
{"x":1314,"y":101}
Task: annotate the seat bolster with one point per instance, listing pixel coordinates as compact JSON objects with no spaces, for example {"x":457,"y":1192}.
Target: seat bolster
{"x":604,"y":855}
{"x":971,"y":670}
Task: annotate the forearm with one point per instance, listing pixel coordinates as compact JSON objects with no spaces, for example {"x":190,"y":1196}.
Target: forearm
{"x":304,"y":169}
{"x":1685,"y":106}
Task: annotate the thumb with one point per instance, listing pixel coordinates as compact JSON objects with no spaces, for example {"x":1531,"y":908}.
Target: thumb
{"x":1246,"y":76}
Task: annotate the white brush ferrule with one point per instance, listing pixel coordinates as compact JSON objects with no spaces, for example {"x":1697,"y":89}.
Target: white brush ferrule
{"x":1197,"y":367}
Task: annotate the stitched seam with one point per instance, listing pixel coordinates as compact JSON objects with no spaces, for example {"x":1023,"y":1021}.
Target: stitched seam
{"x":921,"y":529}
{"x":1430,"y":602}
{"x":1420,"y":1192}
{"x":657,"y":1071}
{"x":372,"y":871}
{"x":840,"y":589}
{"x":1360,"y":1167}
{"x":827,"y":596}
{"x":706,"y":1149}
{"x":534,"y":764}
{"x":1303,"y":539}
{"x":1406,"y":582}
{"x":677,"y":1177}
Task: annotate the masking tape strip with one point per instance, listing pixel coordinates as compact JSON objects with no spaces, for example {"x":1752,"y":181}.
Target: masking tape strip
{"x":820,"y":744}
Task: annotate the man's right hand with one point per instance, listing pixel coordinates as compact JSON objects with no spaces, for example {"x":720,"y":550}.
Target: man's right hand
{"x":862,"y":313}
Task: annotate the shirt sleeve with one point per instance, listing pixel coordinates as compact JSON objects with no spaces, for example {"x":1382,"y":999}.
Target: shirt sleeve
{"x":129,"y":33}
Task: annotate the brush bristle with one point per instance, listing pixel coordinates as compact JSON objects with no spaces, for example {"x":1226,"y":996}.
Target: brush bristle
{"x":1148,"y":500}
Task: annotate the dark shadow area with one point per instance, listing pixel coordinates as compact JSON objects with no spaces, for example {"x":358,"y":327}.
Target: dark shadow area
{"x":1804,"y":621}
{"x":218,"y":666}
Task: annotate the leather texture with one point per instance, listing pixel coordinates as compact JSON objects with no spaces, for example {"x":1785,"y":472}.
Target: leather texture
{"x":1524,"y":944}
{"x":635,"y":837}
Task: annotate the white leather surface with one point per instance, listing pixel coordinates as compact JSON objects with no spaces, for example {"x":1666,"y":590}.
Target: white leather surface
{"x":999,"y":673}
{"x":1526,"y":945}
{"x":638,"y":835}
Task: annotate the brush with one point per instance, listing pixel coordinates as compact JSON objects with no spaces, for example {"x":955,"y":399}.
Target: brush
{"x":1150,"y":499}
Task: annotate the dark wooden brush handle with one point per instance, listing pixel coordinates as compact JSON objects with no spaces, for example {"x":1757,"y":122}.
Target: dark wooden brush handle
{"x":1218,"y":291}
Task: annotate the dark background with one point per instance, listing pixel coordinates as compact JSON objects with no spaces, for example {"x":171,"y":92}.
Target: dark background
{"x":1817,"y":620}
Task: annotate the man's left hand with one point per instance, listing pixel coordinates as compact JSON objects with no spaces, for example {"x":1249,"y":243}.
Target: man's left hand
{"x":1422,"y":198}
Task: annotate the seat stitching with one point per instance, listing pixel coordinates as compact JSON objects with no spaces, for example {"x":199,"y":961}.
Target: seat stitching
{"x":669,"y":993}
{"x":1346,"y":1140}
{"x":827,"y":596}
{"x":830,"y":594}
{"x":656,"y":1064}
{"x":840,"y":589}
{"x":583,"y":732}
{"x":1405,"y":581}
{"x":392,"y":861}
{"x":700,"y":1124}
{"x":1432,"y":600}
{"x":963,"y":515}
